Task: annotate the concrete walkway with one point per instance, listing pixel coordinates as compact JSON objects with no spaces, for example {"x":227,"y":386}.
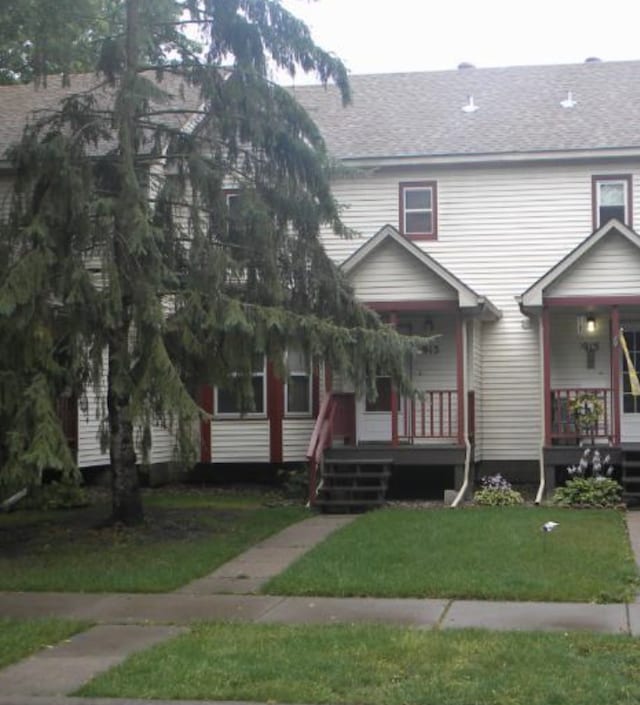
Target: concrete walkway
{"x":130,"y":622}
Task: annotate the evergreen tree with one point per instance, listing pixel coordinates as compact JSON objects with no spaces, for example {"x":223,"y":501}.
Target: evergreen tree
{"x":133,"y":173}
{"x":47,"y":37}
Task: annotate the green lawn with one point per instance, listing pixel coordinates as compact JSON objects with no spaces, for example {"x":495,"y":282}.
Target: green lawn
{"x":482,"y":553}
{"x":21,"y":637}
{"x":186,"y":535}
{"x":380,"y":666}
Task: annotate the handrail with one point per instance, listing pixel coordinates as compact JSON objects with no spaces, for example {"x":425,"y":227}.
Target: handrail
{"x":321,"y":438}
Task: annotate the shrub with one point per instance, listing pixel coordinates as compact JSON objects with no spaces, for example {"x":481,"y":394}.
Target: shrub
{"x":597,"y":491}
{"x":58,"y":495}
{"x":591,"y":483}
{"x":496,"y":492}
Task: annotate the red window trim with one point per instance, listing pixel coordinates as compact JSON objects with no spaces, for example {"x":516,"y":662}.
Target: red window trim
{"x":598,"y":178}
{"x":433,"y":185}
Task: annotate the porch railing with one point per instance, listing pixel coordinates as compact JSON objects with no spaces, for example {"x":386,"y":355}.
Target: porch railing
{"x":563,"y":425}
{"x":336,"y":418}
{"x":435,"y":415}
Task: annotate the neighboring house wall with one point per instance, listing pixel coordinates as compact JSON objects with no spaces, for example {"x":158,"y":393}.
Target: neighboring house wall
{"x":499,"y":229}
{"x":90,"y":412}
{"x":240,"y":440}
{"x":296,"y":433}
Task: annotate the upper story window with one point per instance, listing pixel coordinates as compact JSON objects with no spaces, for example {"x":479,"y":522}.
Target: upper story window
{"x":298,"y":386}
{"x":611,"y":199}
{"x":418,"y":214}
{"x":230,"y":400}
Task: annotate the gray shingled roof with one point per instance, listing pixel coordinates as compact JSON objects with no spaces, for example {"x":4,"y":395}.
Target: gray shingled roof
{"x":419,"y":114}
{"x":20,"y":104}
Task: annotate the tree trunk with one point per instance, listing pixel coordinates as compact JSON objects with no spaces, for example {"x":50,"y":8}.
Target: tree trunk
{"x":125,"y":489}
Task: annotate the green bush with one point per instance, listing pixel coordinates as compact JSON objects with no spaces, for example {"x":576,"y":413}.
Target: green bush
{"x":497,"y":492}
{"x":589,"y":492}
{"x":294,"y":482}
{"x":490,"y":497}
{"x":58,"y":495}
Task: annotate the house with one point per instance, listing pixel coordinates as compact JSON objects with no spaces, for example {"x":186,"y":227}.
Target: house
{"x":494,"y":210}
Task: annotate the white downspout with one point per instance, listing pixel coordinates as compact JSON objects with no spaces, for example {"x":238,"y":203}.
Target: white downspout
{"x":465,"y":422}
{"x":541,"y":487}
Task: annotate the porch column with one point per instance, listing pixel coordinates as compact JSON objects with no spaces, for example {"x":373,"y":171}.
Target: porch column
{"x":393,"y":320}
{"x":275,"y":412}
{"x":205,"y":401}
{"x":615,"y":372}
{"x":460,"y":357}
{"x":546,"y":372}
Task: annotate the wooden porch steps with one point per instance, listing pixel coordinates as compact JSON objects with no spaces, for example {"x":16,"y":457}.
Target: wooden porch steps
{"x":353,"y":484}
{"x":631,"y":472}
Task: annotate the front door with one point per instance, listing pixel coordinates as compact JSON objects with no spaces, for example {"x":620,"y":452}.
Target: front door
{"x":630,"y":405}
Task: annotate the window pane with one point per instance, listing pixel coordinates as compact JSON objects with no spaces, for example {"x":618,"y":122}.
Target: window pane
{"x":383,"y":402}
{"x":297,"y":361}
{"x":418,"y":223}
{"x":612,"y":194}
{"x":228,"y":401}
{"x":609,"y":212}
{"x":419,"y":199}
{"x":298,"y":396}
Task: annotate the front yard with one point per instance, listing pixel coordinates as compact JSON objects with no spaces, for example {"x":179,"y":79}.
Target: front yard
{"x":492,"y":553}
{"x":187,"y":534}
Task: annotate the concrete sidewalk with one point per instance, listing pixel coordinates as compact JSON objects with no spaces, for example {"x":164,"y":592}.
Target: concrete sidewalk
{"x":130,"y":622}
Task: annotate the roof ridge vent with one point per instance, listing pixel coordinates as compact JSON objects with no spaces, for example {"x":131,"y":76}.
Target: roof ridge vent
{"x":593,"y":60}
{"x":470,"y":107}
{"x":569,"y":102}
{"x":466,"y":65}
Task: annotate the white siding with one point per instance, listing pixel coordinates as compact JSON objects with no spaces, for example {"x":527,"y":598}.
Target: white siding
{"x":89,"y":420}
{"x":392,"y":274}
{"x":92,"y":410}
{"x":610,"y":267}
{"x":240,"y":441}
{"x":569,"y":360}
{"x":296,"y":434}
{"x":474,"y":379}
{"x":499,"y":230}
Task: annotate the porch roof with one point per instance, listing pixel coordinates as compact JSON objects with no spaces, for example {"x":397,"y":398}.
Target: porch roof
{"x":532,"y":300}
{"x":467,"y":299}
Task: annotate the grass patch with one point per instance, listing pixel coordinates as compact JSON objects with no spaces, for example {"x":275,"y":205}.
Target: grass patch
{"x":380,"y":666}
{"x":185,"y":536}
{"x":494,"y":553}
{"x":20,"y":638}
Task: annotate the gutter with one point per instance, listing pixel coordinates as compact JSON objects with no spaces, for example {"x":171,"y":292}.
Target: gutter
{"x":467,"y":444}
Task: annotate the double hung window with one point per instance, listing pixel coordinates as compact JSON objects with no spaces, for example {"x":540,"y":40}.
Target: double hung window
{"x":418,"y":214}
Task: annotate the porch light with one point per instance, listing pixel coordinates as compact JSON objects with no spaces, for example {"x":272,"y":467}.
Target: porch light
{"x":591,"y":323}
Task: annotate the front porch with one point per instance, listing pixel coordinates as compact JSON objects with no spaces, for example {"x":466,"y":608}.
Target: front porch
{"x":359,"y":446}
{"x":588,"y":307}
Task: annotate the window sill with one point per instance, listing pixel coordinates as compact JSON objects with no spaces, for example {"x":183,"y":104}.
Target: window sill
{"x":421,"y":236}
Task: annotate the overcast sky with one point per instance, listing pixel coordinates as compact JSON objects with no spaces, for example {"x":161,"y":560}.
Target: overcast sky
{"x":373,"y":36}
